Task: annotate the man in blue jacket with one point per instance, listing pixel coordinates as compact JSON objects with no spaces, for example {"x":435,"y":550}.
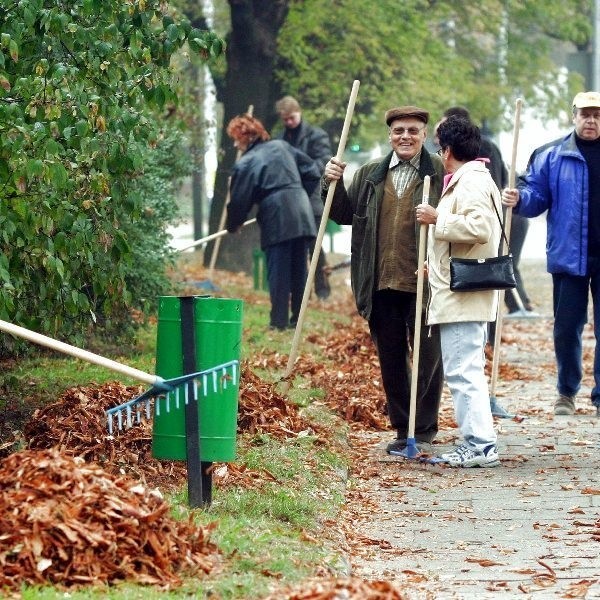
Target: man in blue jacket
{"x":563,"y":178}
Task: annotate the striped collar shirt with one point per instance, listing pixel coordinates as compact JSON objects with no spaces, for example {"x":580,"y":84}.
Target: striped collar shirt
{"x":404,"y":172}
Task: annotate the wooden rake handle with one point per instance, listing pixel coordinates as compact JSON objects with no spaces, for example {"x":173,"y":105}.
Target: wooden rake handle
{"x":418,"y":309}
{"x":90,"y":357}
{"x":319,"y":241}
{"x":214,"y":236}
{"x":507,"y":225}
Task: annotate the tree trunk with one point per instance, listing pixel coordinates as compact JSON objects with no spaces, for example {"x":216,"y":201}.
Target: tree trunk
{"x":197,"y":150}
{"x":251,"y":54}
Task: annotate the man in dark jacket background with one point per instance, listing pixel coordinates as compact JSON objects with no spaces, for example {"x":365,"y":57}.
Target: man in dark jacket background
{"x":314,"y":142}
{"x":380,"y":204}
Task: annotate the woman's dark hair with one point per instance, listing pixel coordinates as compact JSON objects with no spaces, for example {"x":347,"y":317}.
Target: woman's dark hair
{"x":461,"y":136}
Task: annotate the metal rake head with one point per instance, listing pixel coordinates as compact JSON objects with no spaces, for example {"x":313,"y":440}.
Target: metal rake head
{"x":176,"y":392}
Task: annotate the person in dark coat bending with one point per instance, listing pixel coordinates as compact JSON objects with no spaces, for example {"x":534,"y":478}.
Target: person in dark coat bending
{"x":278,"y":179}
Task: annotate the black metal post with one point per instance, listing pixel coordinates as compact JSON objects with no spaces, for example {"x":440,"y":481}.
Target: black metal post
{"x":199,"y":479}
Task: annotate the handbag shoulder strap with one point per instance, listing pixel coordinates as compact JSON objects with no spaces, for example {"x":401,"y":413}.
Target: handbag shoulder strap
{"x":501,"y":227}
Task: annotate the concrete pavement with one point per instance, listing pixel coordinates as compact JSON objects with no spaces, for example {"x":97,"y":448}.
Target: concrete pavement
{"x":529,"y":528}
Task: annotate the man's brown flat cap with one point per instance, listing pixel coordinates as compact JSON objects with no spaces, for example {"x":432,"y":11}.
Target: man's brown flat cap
{"x":406,"y":111}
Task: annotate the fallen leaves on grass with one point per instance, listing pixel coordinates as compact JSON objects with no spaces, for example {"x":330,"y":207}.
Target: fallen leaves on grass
{"x":76,"y":424}
{"x":337,"y":589}
{"x":68,"y":523}
{"x":263,"y":410}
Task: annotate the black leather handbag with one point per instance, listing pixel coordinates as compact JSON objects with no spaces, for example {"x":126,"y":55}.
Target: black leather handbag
{"x":474,"y":274}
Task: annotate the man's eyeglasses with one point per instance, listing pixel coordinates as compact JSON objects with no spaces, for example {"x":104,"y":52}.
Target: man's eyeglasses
{"x":412,"y":131}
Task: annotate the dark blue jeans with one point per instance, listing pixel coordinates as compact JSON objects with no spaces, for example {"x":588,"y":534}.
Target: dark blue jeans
{"x":287,"y":269}
{"x":570,"y":297}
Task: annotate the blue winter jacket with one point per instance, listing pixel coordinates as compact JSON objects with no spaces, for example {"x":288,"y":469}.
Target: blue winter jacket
{"x":556,"y":180}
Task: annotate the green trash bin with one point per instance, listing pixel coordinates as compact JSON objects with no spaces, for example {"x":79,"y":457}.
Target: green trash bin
{"x":331,"y":229}
{"x":259,"y":271}
{"x":218,"y":337}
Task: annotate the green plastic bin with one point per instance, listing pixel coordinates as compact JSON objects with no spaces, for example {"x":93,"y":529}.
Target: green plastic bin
{"x":331,"y":229}
{"x":218,"y":337}
{"x":259,"y":271}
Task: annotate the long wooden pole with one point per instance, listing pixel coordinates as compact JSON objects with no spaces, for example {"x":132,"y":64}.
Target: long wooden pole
{"x":319,"y":241}
{"x":217,"y":246}
{"x":90,"y":357}
{"x":411,"y":446}
{"x":507,"y":224}
{"x":213,"y":236}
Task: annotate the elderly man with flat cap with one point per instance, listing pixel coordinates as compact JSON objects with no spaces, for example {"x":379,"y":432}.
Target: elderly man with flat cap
{"x":563,"y":178}
{"x":380,"y":205}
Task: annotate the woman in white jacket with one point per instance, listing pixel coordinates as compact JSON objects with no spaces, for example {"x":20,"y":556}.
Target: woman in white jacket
{"x":464,"y":224}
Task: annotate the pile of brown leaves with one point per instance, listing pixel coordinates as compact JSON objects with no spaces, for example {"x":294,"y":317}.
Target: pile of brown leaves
{"x":353,"y":387}
{"x":351,"y":588}
{"x":76,"y":424}
{"x":67,"y":522}
{"x":262,"y":410}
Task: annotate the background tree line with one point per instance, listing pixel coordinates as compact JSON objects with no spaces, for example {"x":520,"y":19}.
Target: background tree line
{"x":99,"y":110}
{"x":434,"y":53}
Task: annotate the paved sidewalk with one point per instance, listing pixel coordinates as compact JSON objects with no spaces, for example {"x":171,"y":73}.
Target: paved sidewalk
{"x":524,"y":528}
{"x":527,"y":529}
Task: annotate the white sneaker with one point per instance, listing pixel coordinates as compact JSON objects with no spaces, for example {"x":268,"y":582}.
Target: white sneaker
{"x":466,"y":456}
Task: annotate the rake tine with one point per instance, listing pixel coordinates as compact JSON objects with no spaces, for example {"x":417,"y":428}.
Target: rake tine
{"x":164,"y":389}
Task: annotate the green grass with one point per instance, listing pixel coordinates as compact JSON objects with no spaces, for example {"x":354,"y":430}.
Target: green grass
{"x":270,"y":535}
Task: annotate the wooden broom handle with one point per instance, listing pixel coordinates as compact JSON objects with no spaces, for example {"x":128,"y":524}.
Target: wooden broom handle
{"x":217,"y":246}
{"x":418,"y":309}
{"x":507,"y":224}
{"x":213,"y":236}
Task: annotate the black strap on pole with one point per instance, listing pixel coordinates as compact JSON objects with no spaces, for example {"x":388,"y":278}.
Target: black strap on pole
{"x":192,"y":422}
